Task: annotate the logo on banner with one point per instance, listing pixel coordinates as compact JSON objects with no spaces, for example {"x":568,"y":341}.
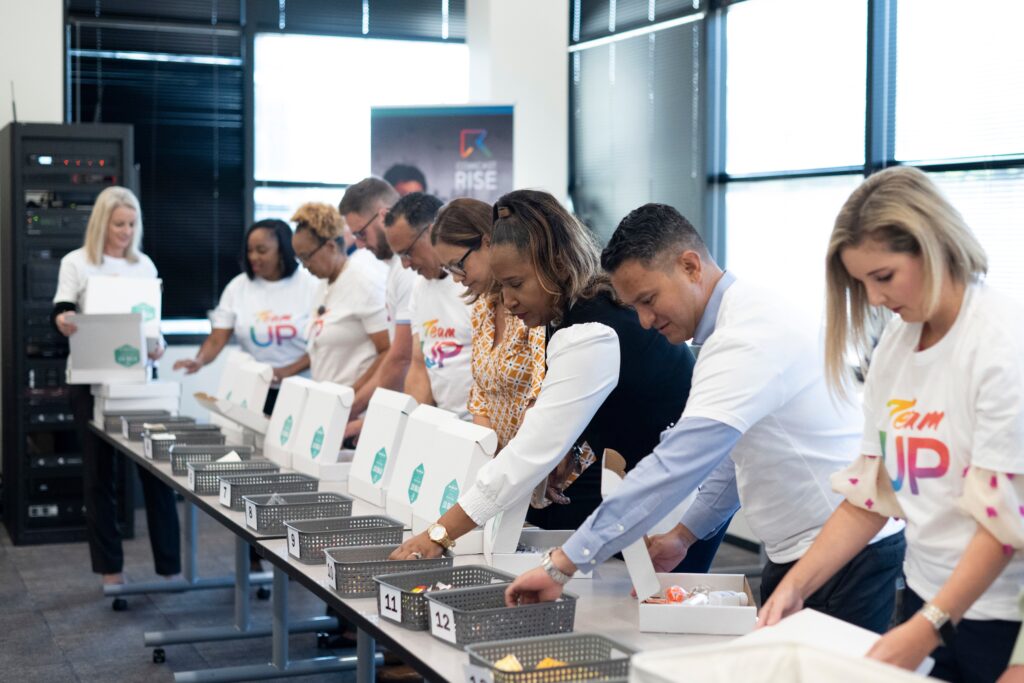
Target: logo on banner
{"x":126,"y":355}
{"x":318,"y":442}
{"x":377,"y":469}
{"x":415,"y":483}
{"x":144,"y":309}
{"x":472,"y":140}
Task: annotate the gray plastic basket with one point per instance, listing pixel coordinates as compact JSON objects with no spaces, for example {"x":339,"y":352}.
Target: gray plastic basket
{"x":308,"y":539}
{"x":132,"y":428}
{"x":112,"y":420}
{"x":266,"y":518}
{"x":157,"y":445}
{"x":396,"y":601}
{"x":472,"y":615}
{"x":588,"y":657}
{"x":234,"y":487}
{"x":351,"y":571}
{"x":204,"y":478}
{"x":181,"y":455}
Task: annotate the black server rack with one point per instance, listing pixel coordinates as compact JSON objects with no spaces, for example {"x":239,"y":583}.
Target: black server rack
{"x":50,"y":175}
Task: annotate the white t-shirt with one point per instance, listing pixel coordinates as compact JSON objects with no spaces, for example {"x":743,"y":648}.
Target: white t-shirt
{"x":441,"y":321}
{"x":399,"y":287}
{"x":345,"y":314}
{"x":760,"y":372}
{"x":366,"y":257}
{"x":75,"y":271}
{"x":957,"y":404}
{"x":269,"y":319}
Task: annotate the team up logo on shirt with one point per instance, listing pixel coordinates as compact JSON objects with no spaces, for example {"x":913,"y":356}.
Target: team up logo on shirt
{"x":917,"y":457}
{"x":442,"y":344}
{"x":271,"y":329}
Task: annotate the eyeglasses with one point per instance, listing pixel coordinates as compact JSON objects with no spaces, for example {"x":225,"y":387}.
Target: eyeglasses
{"x":406,"y":253}
{"x":459,"y":267}
{"x":306,"y":258}
{"x":361,"y":232}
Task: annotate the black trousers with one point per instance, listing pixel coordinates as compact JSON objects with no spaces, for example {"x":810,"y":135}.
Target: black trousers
{"x":862,"y":593}
{"x":101,"y":465}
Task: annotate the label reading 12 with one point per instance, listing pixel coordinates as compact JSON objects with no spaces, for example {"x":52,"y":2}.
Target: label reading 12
{"x":390,"y":603}
{"x":442,"y":622}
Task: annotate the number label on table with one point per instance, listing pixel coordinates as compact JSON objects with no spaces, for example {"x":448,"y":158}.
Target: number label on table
{"x":225,"y":494}
{"x":477,"y":674}
{"x":330,"y":574}
{"x":250,"y":514}
{"x":293,"y":542}
{"x":148,"y":448}
{"x":391,"y":603}
{"x":191,"y":479}
{"x":442,"y":622}
{"x":124,"y":429}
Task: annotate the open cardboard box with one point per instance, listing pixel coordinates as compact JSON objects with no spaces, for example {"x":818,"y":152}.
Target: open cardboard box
{"x":107,"y":348}
{"x":413,"y":459}
{"x":379,"y":443}
{"x":107,"y":294}
{"x":463,"y":448}
{"x":316,"y":448}
{"x":232,"y":415}
{"x":701,"y":619}
{"x":283,"y":429}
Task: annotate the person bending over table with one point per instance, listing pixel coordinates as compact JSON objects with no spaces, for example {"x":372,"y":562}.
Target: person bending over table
{"x":759,"y":429}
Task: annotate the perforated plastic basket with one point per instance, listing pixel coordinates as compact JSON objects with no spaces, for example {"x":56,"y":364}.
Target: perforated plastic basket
{"x":478,"y":614}
{"x":587,"y":657}
{"x":399,"y":604}
{"x":233,"y":488}
{"x":132,"y":428}
{"x":351,"y":570}
{"x":157,"y":445}
{"x":181,"y":455}
{"x":308,"y":539}
{"x":112,"y":421}
{"x":204,"y":478}
{"x":269,"y":518}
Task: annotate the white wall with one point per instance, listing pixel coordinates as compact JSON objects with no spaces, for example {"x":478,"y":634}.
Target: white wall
{"x":518,"y":54}
{"x":32,"y":55}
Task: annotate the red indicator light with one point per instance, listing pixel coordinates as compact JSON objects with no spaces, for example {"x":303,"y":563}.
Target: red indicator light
{"x":102,"y":162}
{"x":65,"y":162}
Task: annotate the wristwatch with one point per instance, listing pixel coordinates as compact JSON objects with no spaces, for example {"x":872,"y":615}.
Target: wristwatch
{"x":556,"y":574}
{"x":439,"y":535}
{"x":940,"y":622}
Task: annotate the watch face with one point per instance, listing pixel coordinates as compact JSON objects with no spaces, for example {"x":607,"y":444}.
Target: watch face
{"x":436,"y":533}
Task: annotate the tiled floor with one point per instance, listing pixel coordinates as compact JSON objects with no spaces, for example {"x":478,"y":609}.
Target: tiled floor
{"x":55,"y":624}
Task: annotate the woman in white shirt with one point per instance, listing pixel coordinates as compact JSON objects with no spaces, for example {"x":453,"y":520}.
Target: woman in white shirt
{"x":348,"y":330}
{"x":266,"y":307}
{"x":943,"y":430}
{"x":112,"y":239}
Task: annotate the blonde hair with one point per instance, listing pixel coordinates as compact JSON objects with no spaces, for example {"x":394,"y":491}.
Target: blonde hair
{"x":107,"y":201}
{"x":320,"y":218}
{"x":902,"y":209}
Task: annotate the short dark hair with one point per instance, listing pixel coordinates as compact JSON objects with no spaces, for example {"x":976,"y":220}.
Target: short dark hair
{"x":364,"y":195}
{"x":418,"y":208}
{"x":648,"y":232}
{"x":401,"y":173}
{"x":283,"y":234}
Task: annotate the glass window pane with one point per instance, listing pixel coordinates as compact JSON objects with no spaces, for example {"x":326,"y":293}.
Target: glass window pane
{"x":777,"y":233}
{"x":313,"y":96}
{"x":283,"y":202}
{"x":959,"y":79}
{"x":795,"y":84}
{"x":992,"y":203}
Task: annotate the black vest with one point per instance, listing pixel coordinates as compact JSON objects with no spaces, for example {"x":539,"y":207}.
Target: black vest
{"x":654,"y":383}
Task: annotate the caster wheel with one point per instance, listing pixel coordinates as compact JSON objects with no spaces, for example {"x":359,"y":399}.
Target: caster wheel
{"x":119,"y":605}
{"x":263,"y":593}
{"x":159,"y":656}
{"x":323,"y":641}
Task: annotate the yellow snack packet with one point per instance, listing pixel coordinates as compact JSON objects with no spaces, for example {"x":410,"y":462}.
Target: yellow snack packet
{"x":549,"y":663}
{"x":508,"y":663}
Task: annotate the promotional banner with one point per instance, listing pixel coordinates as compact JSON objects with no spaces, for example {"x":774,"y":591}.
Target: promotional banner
{"x":462,"y":151}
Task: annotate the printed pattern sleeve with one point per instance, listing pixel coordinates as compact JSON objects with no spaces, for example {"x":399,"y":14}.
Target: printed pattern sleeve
{"x":996,"y":501}
{"x":865,"y":484}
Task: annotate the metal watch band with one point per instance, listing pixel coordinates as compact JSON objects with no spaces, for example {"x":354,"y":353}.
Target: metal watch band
{"x":556,"y":574}
{"x":940,"y":621}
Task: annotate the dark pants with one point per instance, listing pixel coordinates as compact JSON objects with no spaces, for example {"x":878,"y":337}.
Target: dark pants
{"x":978,"y":654}
{"x":863,"y":592}
{"x":101,"y":465}
{"x":702,"y":553}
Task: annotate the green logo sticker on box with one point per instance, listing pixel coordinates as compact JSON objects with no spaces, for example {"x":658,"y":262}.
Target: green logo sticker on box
{"x":318,"y":442}
{"x":126,"y":355}
{"x":147,"y":311}
{"x":450,"y":497}
{"x":286,"y":430}
{"x":415,"y":482}
{"x":245,"y":403}
{"x":379,"y":462}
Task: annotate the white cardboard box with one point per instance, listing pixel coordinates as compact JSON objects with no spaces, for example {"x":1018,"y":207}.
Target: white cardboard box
{"x":137,"y":391}
{"x":106,"y":294}
{"x":252,"y":385}
{"x":411,"y":461}
{"x":107,"y":348}
{"x":322,"y":427}
{"x":379,"y":443}
{"x":283,"y":429}
{"x":232,"y":418}
{"x":452,"y":460}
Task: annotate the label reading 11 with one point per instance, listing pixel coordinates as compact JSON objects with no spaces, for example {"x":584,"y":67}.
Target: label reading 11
{"x":390,"y":604}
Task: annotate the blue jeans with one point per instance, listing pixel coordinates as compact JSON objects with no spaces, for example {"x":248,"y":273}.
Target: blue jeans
{"x":863,"y":592}
{"x":978,"y":654}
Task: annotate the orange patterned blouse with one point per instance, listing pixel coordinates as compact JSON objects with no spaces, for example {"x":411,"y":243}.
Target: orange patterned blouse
{"x":506,"y":377}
